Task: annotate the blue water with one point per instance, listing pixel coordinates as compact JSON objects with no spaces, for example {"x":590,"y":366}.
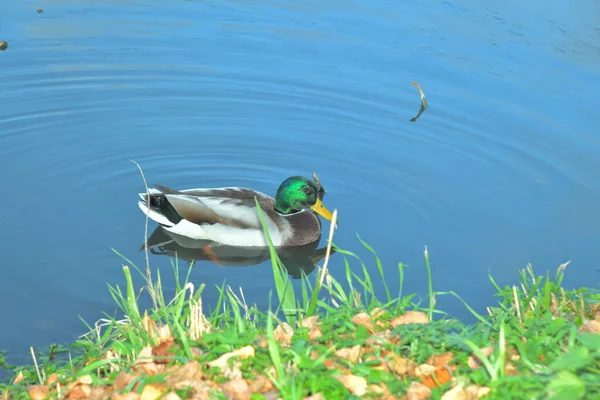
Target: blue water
{"x":501,"y":170}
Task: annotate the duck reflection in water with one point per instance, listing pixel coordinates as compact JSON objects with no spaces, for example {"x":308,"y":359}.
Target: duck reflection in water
{"x":295,"y":259}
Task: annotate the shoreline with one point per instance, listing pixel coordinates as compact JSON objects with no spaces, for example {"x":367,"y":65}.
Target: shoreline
{"x":327,"y":342}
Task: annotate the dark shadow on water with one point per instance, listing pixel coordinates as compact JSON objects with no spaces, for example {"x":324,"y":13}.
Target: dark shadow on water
{"x":295,"y":259}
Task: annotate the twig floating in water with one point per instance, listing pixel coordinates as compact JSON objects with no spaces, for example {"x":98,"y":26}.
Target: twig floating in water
{"x":424,"y":104}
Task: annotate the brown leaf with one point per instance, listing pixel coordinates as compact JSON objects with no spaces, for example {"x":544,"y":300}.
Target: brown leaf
{"x":418,"y":391}
{"x":474,"y":362}
{"x":222,"y":362}
{"x":144,"y":362}
{"x":478,"y":391}
{"x":149,"y":325}
{"x":19,"y":378}
{"x":400,"y":365}
{"x":590,"y":326}
{"x":314,"y":334}
{"x":311,"y":322}
{"x":458,"y":393}
{"x":52,"y":379}
{"x":510,"y":369}
{"x":186,"y":376}
{"x":436,"y":377}
{"x":283,"y":333}
{"x":357,"y":385}
{"x":80,"y":391}
{"x":410,"y":317}
{"x":351,"y":354}
{"x":153,"y":391}
{"x":439,"y":360}
{"x":123,"y":379}
{"x":363,"y":319}
{"x":261,"y":384}
{"x":163,"y":352}
{"x":236,"y":389}
{"x":100,"y":393}
{"x":424,"y":369}
{"x":164,"y":332}
{"x":38,"y":392}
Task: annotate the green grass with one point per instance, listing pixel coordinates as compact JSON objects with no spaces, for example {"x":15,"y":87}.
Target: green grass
{"x":534,"y":338}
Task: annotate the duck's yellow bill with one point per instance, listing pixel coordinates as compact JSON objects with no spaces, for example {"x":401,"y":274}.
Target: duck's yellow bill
{"x":320,"y":209}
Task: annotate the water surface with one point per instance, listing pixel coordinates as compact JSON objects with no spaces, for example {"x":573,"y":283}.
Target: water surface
{"x":501,"y":169}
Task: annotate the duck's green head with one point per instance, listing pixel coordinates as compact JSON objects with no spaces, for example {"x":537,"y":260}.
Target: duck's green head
{"x":297,"y":193}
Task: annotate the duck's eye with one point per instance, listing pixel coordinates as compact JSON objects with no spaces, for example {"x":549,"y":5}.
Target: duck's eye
{"x":306,"y":190}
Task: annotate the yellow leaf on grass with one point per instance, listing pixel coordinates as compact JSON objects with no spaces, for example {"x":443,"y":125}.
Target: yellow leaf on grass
{"x":417,"y":391}
{"x":439,"y":360}
{"x":38,"y":392}
{"x":410,"y":317}
{"x":400,"y":365}
{"x":236,"y":389}
{"x":221,"y":362}
{"x":19,"y":378}
{"x":283,"y":333}
{"x":590,"y":326}
{"x":458,"y":393}
{"x":351,"y":354}
{"x":153,"y":391}
{"x":357,"y":385}
{"x":364,"y":319}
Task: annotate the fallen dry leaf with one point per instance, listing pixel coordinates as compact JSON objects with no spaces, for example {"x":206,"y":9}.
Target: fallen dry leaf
{"x":145,"y":363}
{"x":478,"y":391}
{"x":222,"y":362}
{"x":410,"y":317}
{"x":19,"y":378}
{"x":283,"y":333}
{"x":311,"y":322}
{"x":417,"y":391}
{"x":38,"y":392}
{"x":153,"y":391}
{"x":261,"y":384}
{"x":123,"y":379}
{"x":149,"y":325}
{"x":164,"y":332}
{"x":458,"y":393}
{"x":101,"y":393}
{"x":400,"y":365}
{"x":474,"y":362}
{"x":510,"y":369}
{"x":351,"y":354}
{"x":186,"y":376}
{"x":424,"y":369}
{"x":439,"y":360}
{"x":590,"y":326}
{"x":162,"y":352}
{"x":236,"y":389}
{"x":357,"y":385}
{"x":363,"y":319}
{"x":52,"y":379}
{"x":78,"y":392}
{"x":437,"y":377}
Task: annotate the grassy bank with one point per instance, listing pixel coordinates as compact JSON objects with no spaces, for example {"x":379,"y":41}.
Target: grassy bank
{"x":325,"y":341}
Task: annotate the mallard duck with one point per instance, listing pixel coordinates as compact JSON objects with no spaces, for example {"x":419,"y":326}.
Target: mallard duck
{"x":229,"y":216}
